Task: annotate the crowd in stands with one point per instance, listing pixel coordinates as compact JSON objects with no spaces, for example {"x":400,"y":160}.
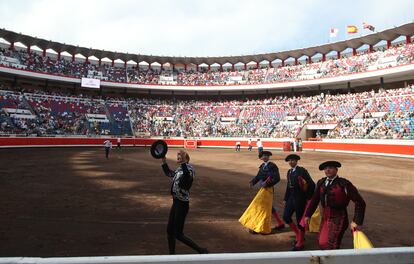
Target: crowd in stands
{"x":335,"y":108}
{"x":50,"y":114}
{"x":398,"y":119}
{"x":353,"y":129}
{"x":381,"y":58}
{"x":387,"y":114}
{"x":395,"y":126}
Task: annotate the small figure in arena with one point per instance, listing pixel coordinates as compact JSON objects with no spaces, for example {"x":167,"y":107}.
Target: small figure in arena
{"x":108,"y":146}
{"x":259,"y":145}
{"x":180,"y":190}
{"x":269,"y":176}
{"x":299,"y":189}
{"x":334,"y":194}
{"x":295,"y":145}
{"x":238,"y":144}
{"x":249,"y":142}
{"x":118,"y":142}
{"x":300,"y":144}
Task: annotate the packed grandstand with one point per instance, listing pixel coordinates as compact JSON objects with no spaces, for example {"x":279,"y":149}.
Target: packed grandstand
{"x":387,"y":114}
{"x":401,"y":54}
{"x":377,"y":114}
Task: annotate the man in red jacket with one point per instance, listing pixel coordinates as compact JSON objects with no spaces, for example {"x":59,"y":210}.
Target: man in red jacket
{"x":334,"y":194}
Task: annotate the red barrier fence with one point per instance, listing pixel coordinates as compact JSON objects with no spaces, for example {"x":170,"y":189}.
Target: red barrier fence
{"x":376,"y":147}
{"x":70,"y":141}
{"x":360,"y":147}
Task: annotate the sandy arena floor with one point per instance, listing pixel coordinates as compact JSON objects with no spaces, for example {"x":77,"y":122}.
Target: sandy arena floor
{"x":74,"y":202}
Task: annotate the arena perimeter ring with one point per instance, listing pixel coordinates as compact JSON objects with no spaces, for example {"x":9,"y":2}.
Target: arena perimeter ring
{"x":74,"y":202}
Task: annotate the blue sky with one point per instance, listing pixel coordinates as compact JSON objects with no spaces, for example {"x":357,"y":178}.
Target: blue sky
{"x":198,"y":28}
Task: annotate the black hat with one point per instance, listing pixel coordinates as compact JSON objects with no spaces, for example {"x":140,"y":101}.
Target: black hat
{"x":292,"y":157}
{"x":330,"y":163}
{"x":159,"y":149}
{"x":267,"y":153}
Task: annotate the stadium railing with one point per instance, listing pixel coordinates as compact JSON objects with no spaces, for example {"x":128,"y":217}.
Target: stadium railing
{"x":396,"y":255}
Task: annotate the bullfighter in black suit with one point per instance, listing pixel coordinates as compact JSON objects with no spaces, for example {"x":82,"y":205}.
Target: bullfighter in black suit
{"x":299,"y":189}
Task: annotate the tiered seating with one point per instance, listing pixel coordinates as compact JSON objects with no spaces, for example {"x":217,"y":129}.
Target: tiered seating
{"x":6,"y":124}
{"x":398,"y":122}
{"x":395,"y":56}
{"x":64,"y":115}
{"x":336,"y":108}
{"x":349,"y":128}
{"x":377,"y":119}
{"x":387,"y":114}
{"x":120,"y":123}
{"x":7,"y":101}
{"x":11,"y":104}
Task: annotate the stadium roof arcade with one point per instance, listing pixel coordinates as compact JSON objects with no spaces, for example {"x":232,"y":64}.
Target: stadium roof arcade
{"x":372,"y":39}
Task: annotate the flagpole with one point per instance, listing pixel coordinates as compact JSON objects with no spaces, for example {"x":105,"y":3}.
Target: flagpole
{"x":346,"y":33}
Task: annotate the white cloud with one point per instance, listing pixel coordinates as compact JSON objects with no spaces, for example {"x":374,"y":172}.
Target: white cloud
{"x":195,"y":28}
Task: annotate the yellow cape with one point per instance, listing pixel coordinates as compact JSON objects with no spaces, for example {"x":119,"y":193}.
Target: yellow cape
{"x":361,"y":240}
{"x":258,"y":216}
{"x":315,"y":221}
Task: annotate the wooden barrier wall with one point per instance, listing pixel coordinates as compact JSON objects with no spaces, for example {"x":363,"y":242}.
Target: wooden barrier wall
{"x":377,"y":147}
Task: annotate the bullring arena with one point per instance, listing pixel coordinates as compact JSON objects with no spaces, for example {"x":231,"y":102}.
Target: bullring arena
{"x":74,"y":202}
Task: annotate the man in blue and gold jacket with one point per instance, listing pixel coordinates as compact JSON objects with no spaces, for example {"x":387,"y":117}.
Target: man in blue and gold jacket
{"x":268,"y":176}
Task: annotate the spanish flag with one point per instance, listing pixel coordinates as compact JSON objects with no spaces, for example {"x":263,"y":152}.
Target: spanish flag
{"x":351,"y":29}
